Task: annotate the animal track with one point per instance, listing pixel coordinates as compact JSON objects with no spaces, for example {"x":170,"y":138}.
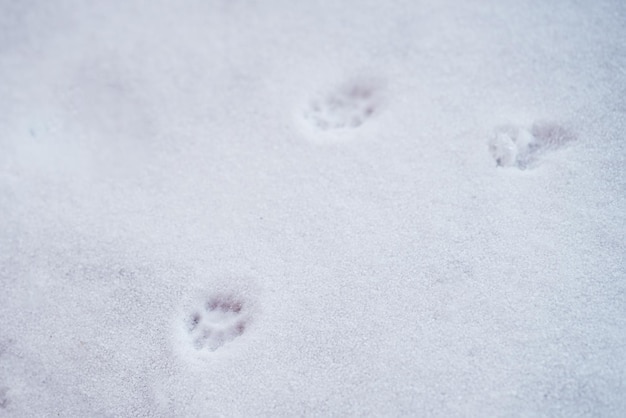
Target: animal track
{"x":218,"y":321}
{"x":346,"y":107}
{"x":513,"y":146}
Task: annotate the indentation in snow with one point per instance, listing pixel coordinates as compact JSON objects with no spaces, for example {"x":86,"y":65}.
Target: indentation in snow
{"x":217,"y":321}
{"x":520,"y":147}
{"x":345,"y":107}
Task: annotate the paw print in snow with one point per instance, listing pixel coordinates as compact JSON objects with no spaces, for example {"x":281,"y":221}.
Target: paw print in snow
{"x":220,"y":320}
{"x":513,"y":146}
{"x":346,"y":107}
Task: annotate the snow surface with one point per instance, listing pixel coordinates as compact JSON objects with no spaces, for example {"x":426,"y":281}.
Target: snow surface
{"x":282,"y":208}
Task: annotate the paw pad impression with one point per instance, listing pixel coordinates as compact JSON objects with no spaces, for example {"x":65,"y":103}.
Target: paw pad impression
{"x":345,"y":107}
{"x":218,"y":321}
{"x":514,"y":146}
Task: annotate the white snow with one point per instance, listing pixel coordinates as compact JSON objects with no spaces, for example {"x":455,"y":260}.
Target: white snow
{"x":286,"y":208}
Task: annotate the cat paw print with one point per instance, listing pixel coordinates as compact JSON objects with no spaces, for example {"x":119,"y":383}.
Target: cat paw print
{"x":346,"y":107}
{"x":218,"y":321}
{"x":521,"y":147}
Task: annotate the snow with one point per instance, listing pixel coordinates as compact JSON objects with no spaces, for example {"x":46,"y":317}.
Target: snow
{"x":245,"y":208}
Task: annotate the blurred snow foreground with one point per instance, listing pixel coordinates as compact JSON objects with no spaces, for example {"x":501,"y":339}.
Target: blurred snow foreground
{"x":277,"y":208}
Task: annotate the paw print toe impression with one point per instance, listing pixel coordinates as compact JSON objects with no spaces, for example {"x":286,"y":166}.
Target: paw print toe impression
{"x":345,"y":107}
{"x":522,"y":147}
{"x":217,"y":322}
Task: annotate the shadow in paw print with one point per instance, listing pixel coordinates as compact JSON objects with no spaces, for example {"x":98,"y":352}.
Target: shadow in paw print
{"x":520,"y":147}
{"x":220,"y":320}
{"x":4,"y":400}
{"x":347,"y":107}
